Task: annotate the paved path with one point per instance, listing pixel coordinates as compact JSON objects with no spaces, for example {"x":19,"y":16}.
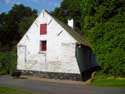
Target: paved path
{"x":58,"y":88}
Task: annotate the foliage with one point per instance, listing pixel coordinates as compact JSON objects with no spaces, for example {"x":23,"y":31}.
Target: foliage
{"x":69,"y":9}
{"x":14,"y":24}
{"x":7,"y":62}
{"x":8,"y":90}
{"x":103,"y":23}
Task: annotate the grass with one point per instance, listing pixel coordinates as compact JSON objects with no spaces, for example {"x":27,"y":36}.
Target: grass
{"x":8,"y":90}
{"x":108,"y":81}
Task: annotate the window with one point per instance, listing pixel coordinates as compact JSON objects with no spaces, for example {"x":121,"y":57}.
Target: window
{"x":43,"y":46}
{"x":43,"y":29}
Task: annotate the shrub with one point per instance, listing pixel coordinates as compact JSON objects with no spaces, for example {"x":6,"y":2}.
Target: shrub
{"x":7,"y":62}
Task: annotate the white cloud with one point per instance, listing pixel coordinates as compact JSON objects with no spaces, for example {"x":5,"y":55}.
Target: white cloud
{"x":18,"y":3}
{"x":7,"y":1}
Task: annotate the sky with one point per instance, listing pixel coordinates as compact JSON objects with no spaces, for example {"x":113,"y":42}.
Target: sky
{"x":49,"y":5}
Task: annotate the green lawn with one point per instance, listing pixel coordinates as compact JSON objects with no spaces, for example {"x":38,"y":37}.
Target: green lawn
{"x":109,"y":82}
{"x":8,"y":90}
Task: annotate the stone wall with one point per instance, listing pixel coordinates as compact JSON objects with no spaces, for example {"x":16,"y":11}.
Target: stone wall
{"x":53,"y":75}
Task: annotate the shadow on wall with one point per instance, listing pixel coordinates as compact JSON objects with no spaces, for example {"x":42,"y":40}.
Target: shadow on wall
{"x":86,"y":61}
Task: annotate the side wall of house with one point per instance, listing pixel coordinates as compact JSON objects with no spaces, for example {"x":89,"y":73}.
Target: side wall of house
{"x":60,"y":53}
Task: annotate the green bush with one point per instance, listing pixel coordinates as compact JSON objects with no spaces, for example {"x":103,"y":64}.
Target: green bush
{"x":104,"y":25}
{"x":7,"y":62}
{"x":108,"y":43}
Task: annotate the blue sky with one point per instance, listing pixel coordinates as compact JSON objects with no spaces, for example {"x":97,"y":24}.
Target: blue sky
{"x":6,"y":5}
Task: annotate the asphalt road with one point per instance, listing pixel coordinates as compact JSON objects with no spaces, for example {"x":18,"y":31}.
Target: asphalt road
{"x":58,"y":88}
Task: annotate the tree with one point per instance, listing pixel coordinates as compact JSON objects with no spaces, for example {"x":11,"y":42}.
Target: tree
{"x":14,"y":24}
{"x":69,"y":9}
{"x":103,"y":23}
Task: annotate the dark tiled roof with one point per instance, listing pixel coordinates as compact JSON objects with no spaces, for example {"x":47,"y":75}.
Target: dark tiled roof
{"x":79,"y":38}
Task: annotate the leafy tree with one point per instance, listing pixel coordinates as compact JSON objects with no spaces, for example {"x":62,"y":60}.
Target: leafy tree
{"x":69,"y":9}
{"x":12,"y":26}
{"x":103,"y":23}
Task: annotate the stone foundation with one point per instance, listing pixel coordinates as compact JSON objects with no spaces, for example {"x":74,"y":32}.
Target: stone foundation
{"x":53,"y":75}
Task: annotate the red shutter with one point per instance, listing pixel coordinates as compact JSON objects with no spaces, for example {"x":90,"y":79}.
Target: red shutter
{"x":43,"y":46}
{"x":43,"y":29}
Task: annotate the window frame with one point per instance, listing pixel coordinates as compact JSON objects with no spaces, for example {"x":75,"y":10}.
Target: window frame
{"x":43,"y":29}
{"x":43,"y":46}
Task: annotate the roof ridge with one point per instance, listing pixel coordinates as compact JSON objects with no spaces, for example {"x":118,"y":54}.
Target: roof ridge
{"x":80,"y":39}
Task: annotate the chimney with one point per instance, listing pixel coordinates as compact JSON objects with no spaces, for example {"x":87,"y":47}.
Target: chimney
{"x":71,"y":23}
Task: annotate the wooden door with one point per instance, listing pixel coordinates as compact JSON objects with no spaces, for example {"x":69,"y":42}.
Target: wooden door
{"x":22,"y":54}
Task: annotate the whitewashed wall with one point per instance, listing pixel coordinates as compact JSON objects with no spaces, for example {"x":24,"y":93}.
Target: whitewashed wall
{"x":60,"y":54}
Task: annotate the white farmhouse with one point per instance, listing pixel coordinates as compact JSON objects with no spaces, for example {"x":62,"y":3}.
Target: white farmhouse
{"x":52,"y":49}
